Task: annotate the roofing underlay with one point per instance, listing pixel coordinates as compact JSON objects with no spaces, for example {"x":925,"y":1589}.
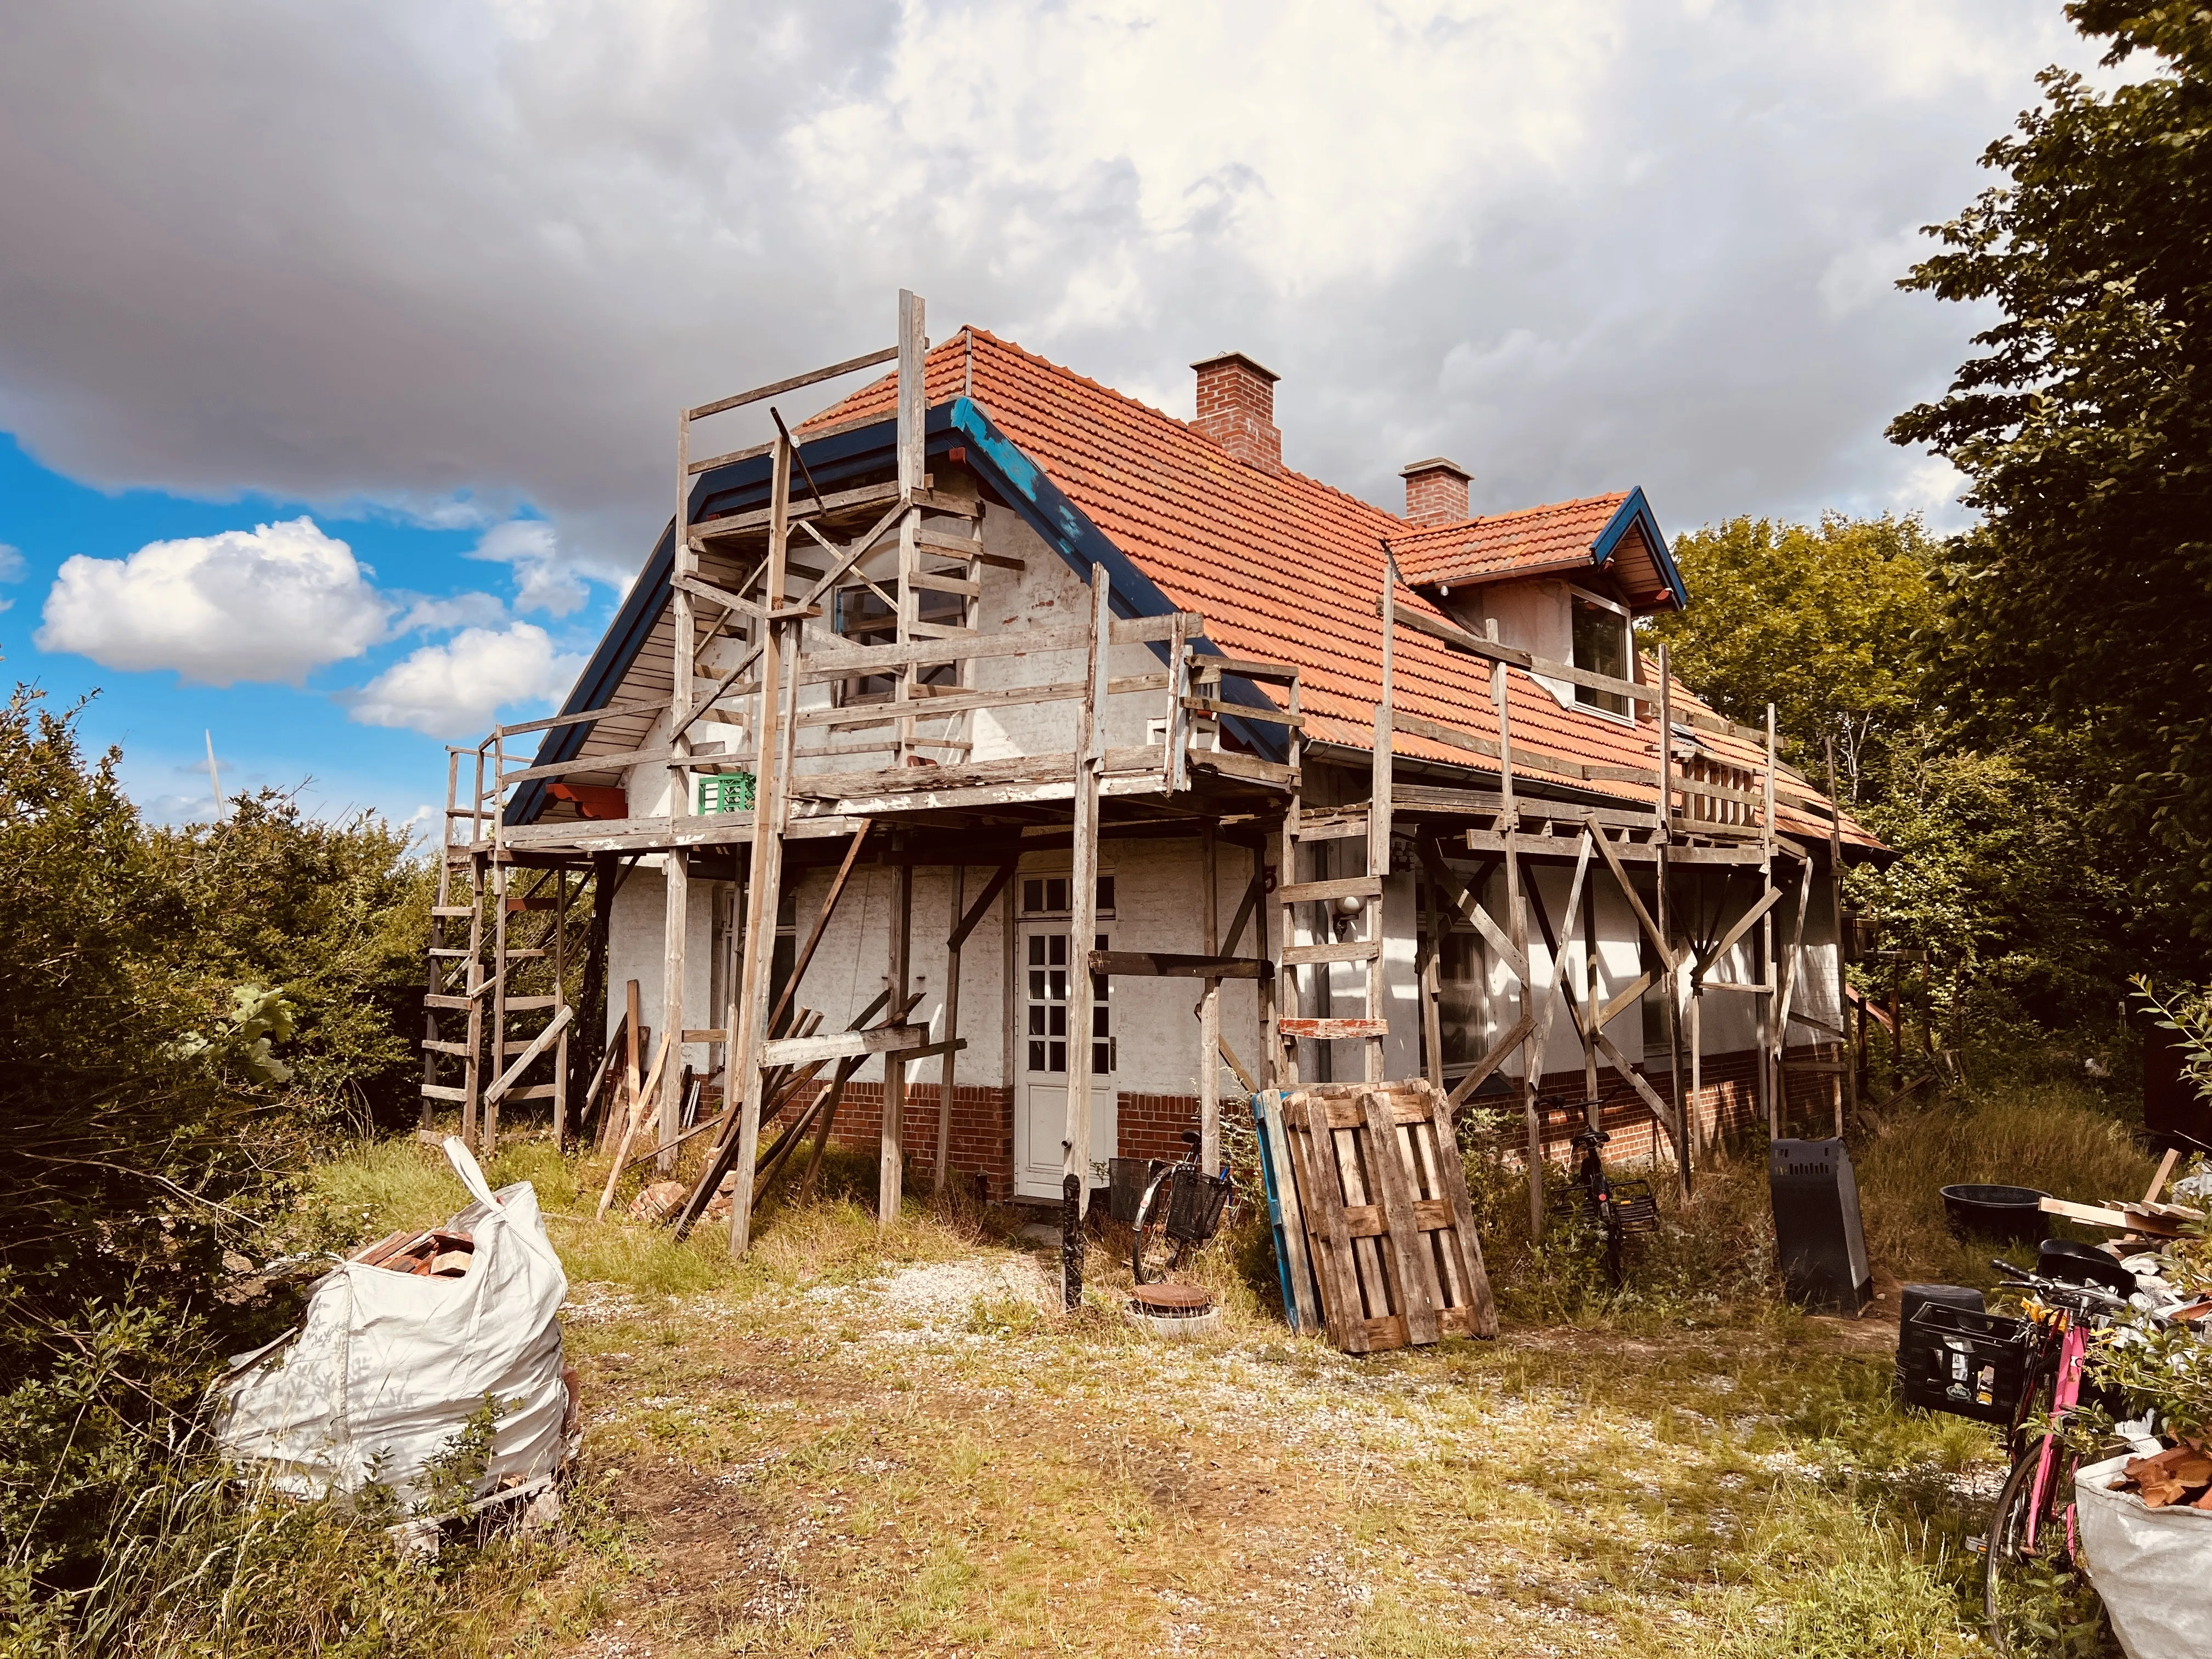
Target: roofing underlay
{"x":1281,"y":567}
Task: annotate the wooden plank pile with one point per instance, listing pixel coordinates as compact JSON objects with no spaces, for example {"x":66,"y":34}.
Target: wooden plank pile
{"x":1376,"y":1217}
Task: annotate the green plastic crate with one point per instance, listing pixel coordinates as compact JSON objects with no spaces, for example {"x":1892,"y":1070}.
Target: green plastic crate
{"x":729,"y":792}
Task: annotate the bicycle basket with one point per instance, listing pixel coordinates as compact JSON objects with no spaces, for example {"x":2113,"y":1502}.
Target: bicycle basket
{"x":1126,"y":1180}
{"x":1969,"y":1364}
{"x":1195,"y":1202}
{"x":1635,"y":1207}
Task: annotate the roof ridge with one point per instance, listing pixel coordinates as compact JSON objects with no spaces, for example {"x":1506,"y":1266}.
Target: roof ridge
{"x":1188,"y":427}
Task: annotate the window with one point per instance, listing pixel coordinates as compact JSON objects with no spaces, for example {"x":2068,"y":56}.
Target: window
{"x":1046,"y":1031}
{"x":1654,"y":1002}
{"x":1462,"y":983}
{"x":1047,"y":896}
{"x":1601,"y":646}
{"x":864,"y":618}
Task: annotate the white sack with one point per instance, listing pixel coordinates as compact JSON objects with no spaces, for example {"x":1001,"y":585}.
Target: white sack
{"x":385,"y":1368}
{"x":2152,"y":1567}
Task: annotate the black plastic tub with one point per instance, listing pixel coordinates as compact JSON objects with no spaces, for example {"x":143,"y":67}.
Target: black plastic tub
{"x":2011,"y":1214}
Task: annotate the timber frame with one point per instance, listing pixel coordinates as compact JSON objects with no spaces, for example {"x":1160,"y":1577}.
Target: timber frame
{"x":751,"y":626}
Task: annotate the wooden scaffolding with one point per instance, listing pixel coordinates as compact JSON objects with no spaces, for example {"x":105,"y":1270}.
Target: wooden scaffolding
{"x":828,"y":715}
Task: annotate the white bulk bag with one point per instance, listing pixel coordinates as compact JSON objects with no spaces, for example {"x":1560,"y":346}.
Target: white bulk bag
{"x":385,"y":1368}
{"x":2152,"y":1567}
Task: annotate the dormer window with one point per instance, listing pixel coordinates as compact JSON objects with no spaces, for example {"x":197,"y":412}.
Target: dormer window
{"x":1601,"y":646}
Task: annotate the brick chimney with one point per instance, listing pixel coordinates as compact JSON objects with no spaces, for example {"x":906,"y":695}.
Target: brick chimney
{"x":1435,"y":491}
{"x":1236,"y":409}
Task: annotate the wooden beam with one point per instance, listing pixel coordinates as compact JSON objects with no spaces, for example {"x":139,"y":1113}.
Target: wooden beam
{"x":1497,"y":1057}
{"x":538,"y":1046}
{"x":839,"y":1045}
{"x":1166,"y":964}
{"x":613,"y":711}
{"x":1334,"y":1030}
{"x":867,"y":360}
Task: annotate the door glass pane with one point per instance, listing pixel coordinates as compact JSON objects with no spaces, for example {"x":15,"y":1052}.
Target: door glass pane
{"x":1460,"y":998}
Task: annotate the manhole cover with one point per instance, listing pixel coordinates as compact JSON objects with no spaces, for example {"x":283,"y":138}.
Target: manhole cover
{"x":1173,"y":1300}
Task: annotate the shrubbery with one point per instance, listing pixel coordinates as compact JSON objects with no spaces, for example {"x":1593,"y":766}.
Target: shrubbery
{"x":182,"y":1013}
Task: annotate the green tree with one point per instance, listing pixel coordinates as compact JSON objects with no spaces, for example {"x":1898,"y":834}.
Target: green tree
{"x":2084,"y":425}
{"x":334,"y":917}
{"x":1821,"y":620}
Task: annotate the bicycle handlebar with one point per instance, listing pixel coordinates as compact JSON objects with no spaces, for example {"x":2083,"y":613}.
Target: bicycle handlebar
{"x":2056,"y":1289}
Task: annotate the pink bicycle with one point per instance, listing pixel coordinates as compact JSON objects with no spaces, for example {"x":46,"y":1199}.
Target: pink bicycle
{"x":2032,"y":1533}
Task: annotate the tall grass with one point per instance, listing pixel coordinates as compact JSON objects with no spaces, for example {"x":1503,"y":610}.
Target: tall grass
{"x":2059,"y":1137}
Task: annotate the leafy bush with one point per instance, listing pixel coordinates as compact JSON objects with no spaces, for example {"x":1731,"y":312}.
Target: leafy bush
{"x":180,"y":1011}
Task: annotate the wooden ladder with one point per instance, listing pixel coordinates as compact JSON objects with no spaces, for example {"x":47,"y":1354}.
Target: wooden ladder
{"x":1325,"y":895}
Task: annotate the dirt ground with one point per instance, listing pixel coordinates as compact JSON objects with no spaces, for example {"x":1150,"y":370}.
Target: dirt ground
{"x":925,"y":1456}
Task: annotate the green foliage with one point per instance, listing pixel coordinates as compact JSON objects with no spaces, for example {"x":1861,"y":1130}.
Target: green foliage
{"x":335,"y":917}
{"x":2085,"y":428}
{"x":1820,"y":620}
{"x":125,"y":1163}
{"x":2001,"y":880}
{"x":179,"y":1010}
{"x":2001,"y":877}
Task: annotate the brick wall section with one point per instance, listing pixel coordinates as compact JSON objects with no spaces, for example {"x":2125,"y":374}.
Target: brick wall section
{"x":1152,"y":1126}
{"x":982,"y":1129}
{"x":1236,"y":409}
{"x":1726,"y":1104}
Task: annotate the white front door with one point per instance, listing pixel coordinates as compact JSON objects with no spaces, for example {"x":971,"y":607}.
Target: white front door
{"x":1052,"y":1036}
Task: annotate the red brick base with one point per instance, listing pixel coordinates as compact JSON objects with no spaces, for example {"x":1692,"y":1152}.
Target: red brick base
{"x":1152,"y":1126}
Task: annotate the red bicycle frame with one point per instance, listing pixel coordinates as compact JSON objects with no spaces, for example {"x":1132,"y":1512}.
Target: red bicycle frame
{"x":2065,"y":1395}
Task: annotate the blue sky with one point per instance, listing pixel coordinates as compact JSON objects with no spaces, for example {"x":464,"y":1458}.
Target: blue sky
{"x":286,"y":732}
{"x":340,"y":346}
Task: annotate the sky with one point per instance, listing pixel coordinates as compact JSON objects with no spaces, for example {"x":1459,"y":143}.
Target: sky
{"x":341,"y":345}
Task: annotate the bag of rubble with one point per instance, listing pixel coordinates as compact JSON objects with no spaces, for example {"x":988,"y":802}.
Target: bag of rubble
{"x":379,"y":1380}
{"x":2149,"y":1556}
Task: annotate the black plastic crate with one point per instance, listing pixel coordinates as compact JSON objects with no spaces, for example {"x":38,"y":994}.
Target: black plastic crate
{"x":1126,"y":1180}
{"x":1969,"y":1364}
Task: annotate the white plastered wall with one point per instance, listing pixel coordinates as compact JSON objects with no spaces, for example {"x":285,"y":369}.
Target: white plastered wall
{"x":1156,"y":909}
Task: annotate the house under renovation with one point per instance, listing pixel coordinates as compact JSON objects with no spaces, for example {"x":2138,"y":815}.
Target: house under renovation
{"x":999,"y":773}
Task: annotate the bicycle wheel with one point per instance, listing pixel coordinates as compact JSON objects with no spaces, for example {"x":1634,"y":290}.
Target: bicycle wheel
{"x":2028,"y":1554}
{"x":1152,"y":1252}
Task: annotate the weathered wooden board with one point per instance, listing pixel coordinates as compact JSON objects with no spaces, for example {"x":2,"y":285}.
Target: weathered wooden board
{"x":1389,"y":1225}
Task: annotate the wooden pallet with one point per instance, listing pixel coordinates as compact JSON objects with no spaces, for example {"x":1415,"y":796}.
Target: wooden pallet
{"x":1389,"y":1228}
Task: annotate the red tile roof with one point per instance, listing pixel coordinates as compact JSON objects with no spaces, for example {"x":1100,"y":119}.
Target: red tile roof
{"x":1282,"y":567}
{"x":1558,"y":536}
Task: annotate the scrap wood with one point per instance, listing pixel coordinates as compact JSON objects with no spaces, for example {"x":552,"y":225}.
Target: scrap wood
{"x":638,"y":1103}
{"x":1389,"y":1224}
{"x":2107,"y":1216}
{"x":2167,"y":1477}
{"x":725,"y":1150}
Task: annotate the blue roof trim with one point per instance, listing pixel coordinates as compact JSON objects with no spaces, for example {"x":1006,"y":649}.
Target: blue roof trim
{"x":1631,"y":513}
{"x":836,"y":462}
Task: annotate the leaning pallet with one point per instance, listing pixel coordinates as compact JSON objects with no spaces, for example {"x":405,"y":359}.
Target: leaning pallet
{"x":1389,"y":1226}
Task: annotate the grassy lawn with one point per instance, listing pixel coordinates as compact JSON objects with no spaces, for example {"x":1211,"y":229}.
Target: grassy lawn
{"x":895,"y":1444}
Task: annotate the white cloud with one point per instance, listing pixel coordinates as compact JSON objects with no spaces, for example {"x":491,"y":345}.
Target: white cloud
{"x":1689,"y":213}
{"x":269,"y":604}
{"x":455,"y":611}
{"x":457,"y":689}
{"x":11,"y":564}
{"x":545,"y":579}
